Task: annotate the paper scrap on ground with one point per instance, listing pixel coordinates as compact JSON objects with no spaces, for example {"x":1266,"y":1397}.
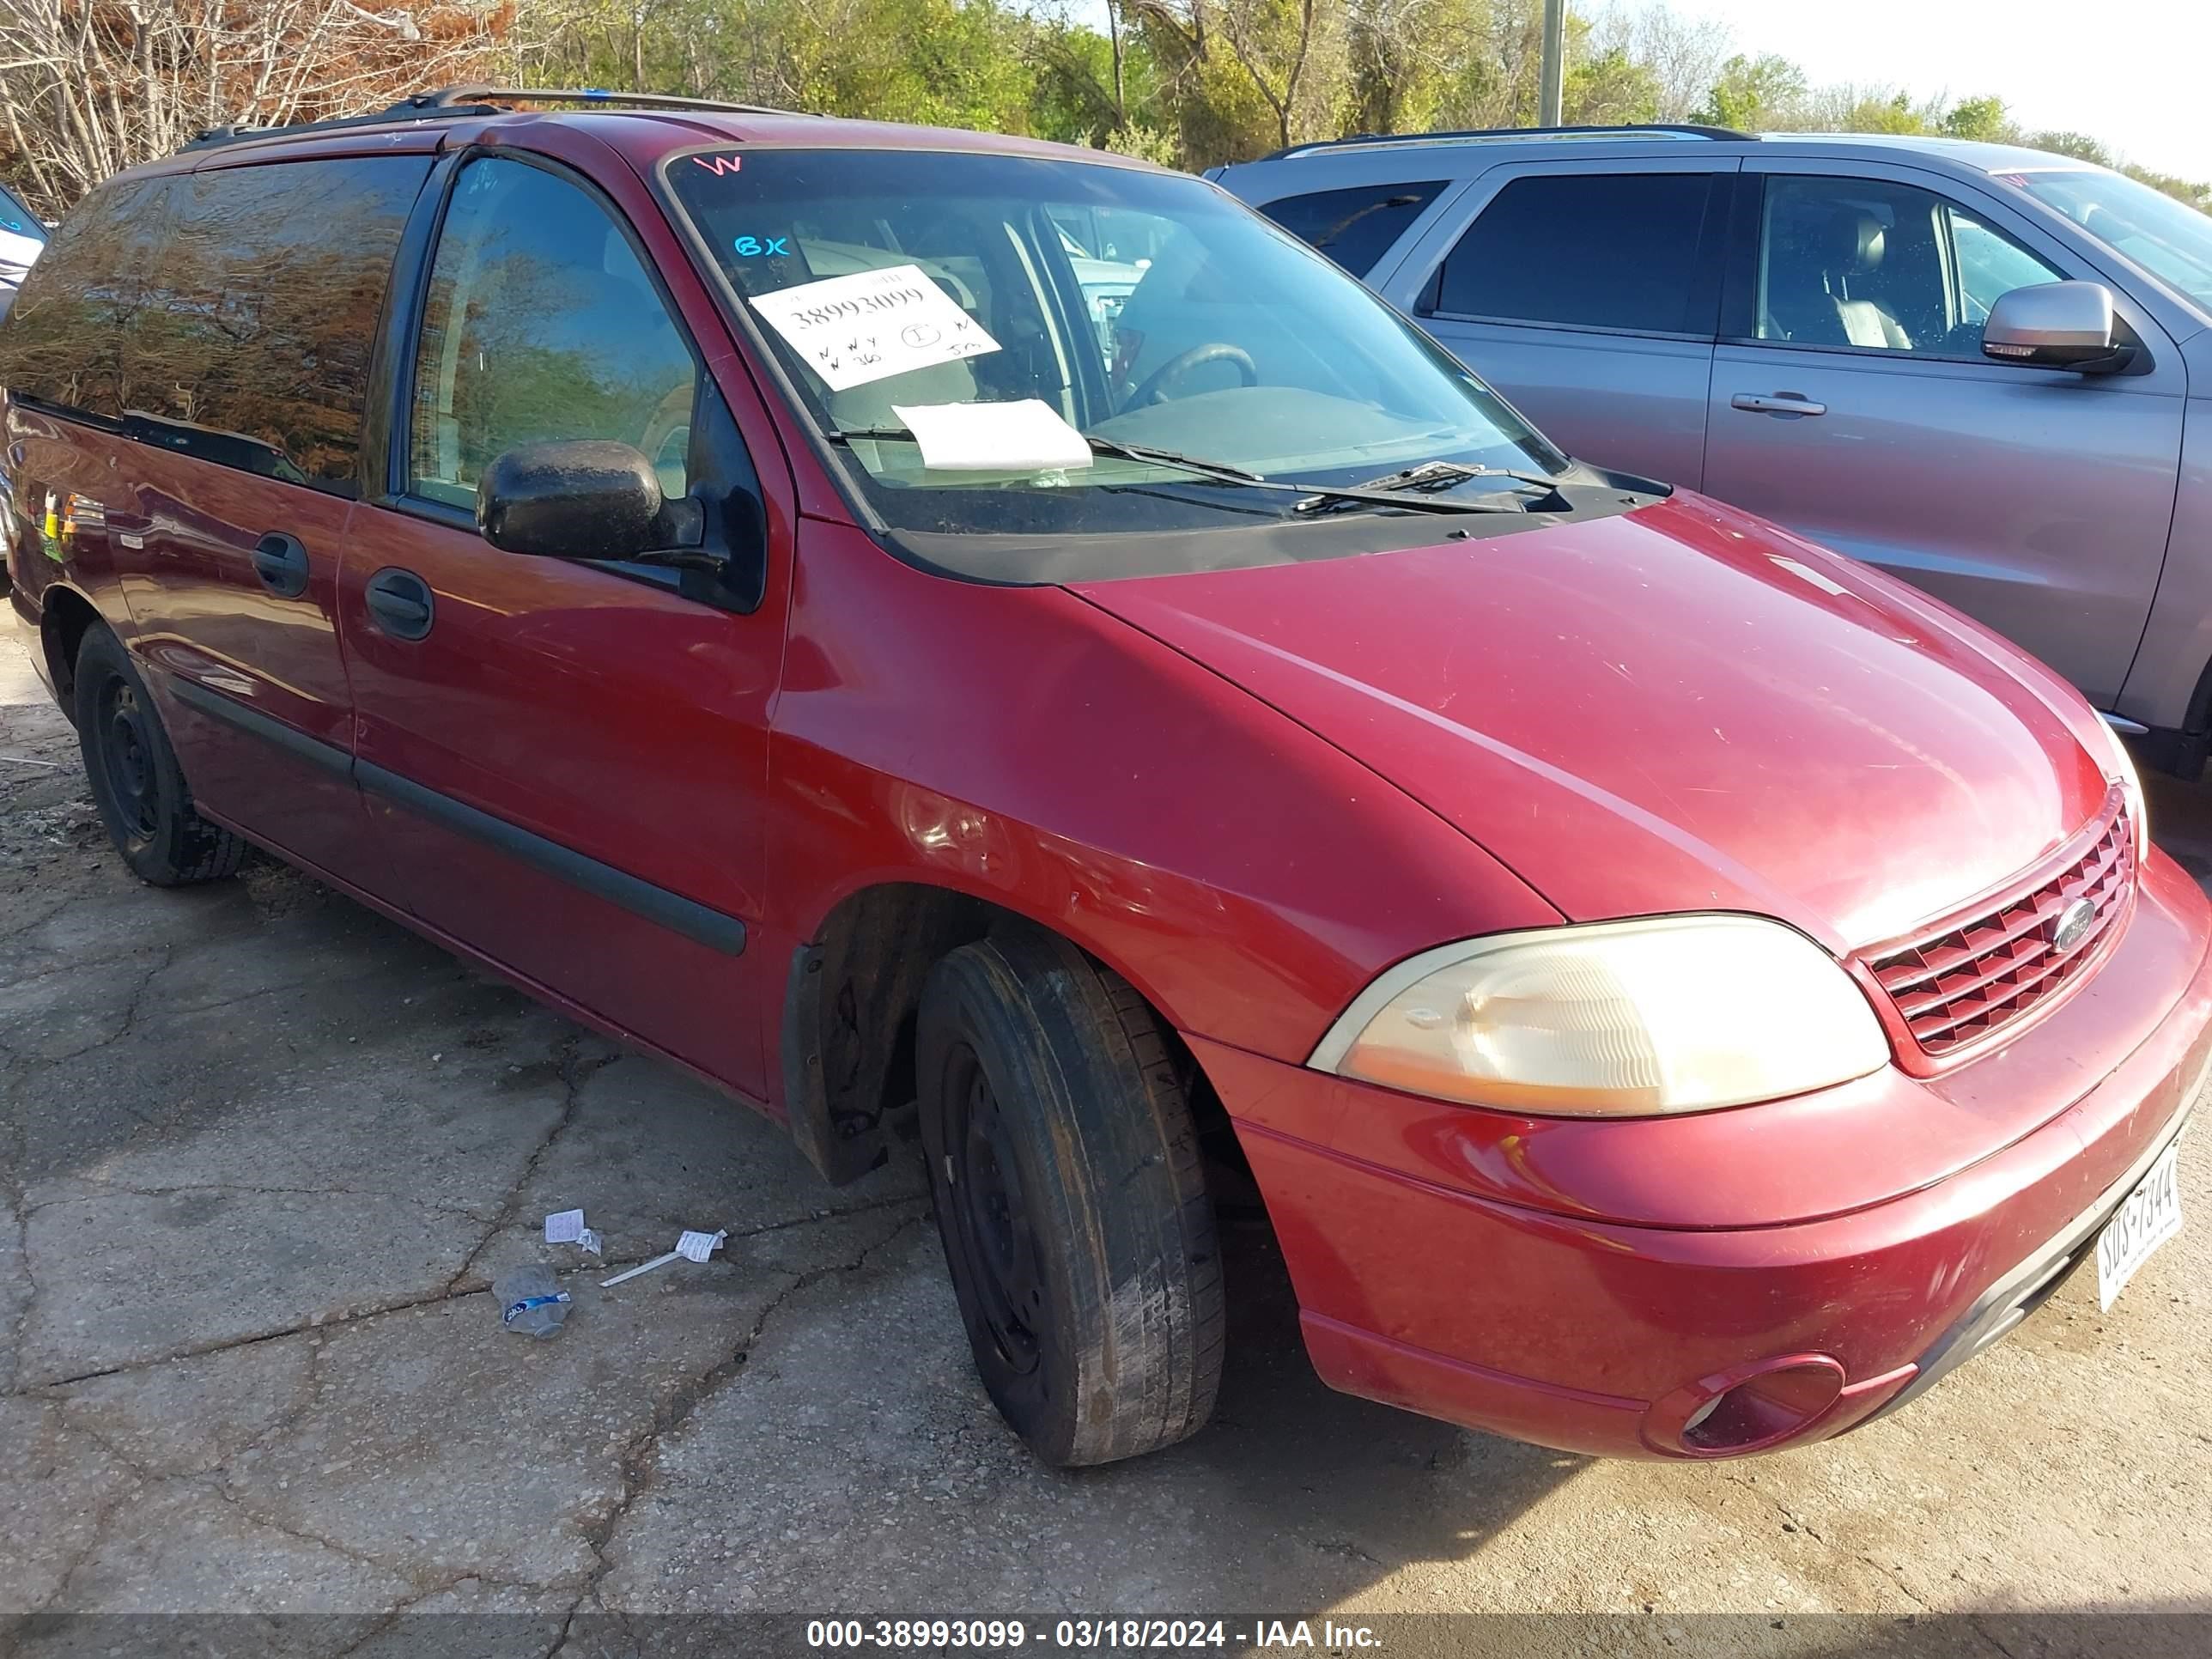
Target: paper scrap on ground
{"x":697,"y":1247}
{"x":589,"y":1242}
{"x":1010,"y":437}
{"x":564,"y":1227}
{"x":873,"y":325}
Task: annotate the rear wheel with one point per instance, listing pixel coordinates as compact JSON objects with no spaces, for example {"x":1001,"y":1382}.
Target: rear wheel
{"x":136,"y":781}
{"x":1070,"y":1199}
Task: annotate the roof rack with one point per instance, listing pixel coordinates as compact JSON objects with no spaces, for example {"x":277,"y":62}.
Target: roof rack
{"x":471,"y":94}
{"x":473,"y":99}
{"x":1628,"y":130}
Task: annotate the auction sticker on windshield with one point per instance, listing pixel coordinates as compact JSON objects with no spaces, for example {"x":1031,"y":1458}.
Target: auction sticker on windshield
{"x":2147,"y":1218}
{"x":873,"y":325}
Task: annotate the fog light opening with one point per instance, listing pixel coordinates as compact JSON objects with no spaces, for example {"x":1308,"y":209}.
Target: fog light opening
{"x":1751,"y":1407}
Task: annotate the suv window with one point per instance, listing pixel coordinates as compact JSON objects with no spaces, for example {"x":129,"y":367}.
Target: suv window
{"x":271,"y":281}
{"x":67,"y":342}
{"x":1590,"y":250}
{"x":540,"y":324}
{"x":18,"y":220}
{"x":1884,"y":267}
{"x":1355,"y":227}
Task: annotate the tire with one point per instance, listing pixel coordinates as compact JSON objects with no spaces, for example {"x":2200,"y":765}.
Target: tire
{"x":136,"y":781}
{"x":1070,"y":1199}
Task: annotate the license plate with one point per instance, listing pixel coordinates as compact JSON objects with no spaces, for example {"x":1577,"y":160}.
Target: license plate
{"x":2147,"y":1218}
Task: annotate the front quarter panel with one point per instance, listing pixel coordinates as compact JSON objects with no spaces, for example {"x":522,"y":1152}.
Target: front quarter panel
{"x":2172,"y":660}
{"x":1018,"y":745}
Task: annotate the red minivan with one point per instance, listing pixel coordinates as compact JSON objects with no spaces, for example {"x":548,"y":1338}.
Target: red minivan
{"x":943,"y":634}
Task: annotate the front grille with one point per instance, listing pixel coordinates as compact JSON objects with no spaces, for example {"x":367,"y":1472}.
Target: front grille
{"x":1954,"y":987}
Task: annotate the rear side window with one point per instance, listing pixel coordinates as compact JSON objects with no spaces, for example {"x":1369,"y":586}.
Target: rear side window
{"x":271,"y":281}
{"x":1590,"y":250}
{"x":1355,"y":227}
{"x":67,"y":342}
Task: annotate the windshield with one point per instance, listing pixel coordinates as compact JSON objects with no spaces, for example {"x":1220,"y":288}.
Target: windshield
{"x":2169,"y":238}
{"x":1012,"y":312}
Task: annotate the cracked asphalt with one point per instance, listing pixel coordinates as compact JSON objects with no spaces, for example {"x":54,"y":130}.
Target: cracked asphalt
{"x":261,"y":1151}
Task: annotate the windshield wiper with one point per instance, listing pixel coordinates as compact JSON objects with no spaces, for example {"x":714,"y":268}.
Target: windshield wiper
{"x":1224,"y":472}
{"x":1442,"y":475}
{"x":1432,"y":476}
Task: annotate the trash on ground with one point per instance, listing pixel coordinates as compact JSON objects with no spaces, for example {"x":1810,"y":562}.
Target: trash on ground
{"x":566,"y":1227}
{"x":531,"y":1301}
{"x":691,"y":1247}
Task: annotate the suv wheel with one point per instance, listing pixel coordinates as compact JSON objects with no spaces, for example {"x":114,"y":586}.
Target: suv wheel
{"x":135,"y":779}
{"x":1070,"y":1199}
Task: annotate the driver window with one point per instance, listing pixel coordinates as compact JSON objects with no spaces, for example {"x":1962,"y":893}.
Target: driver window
{"x":540,"y":324}
{"x":1863,"y":262}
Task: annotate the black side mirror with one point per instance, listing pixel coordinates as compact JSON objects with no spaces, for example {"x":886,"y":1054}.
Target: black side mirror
{"x":579,"y":499}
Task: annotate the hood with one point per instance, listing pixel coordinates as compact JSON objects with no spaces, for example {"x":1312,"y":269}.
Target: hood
{"x":1678,"y":709}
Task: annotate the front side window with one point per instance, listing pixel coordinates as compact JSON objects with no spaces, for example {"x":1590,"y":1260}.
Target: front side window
{"x":1883,"y":267}
{"x":1355,"y":227}
{"x":1589,"y":251}
{"x":540,"y":324}
{"x":937,"y":316}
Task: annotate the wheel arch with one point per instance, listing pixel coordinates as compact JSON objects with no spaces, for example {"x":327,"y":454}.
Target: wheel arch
{"x":65,"y":616}
{"x":847,"y":1031}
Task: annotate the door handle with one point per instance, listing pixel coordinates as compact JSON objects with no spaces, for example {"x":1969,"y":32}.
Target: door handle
{"x":400,"y":602}
{"x":281,"y":564}
{"x":1781,"y":403}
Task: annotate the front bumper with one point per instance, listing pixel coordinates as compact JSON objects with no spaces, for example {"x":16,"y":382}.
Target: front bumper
{"x":1742,"y":1281}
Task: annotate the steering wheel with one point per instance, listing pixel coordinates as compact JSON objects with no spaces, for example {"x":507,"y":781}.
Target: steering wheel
{"x":1156,"y":385}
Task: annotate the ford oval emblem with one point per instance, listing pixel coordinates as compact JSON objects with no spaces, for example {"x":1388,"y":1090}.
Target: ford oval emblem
{"x":2073,"y":925}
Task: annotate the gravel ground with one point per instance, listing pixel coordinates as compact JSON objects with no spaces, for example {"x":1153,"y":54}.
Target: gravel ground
{"x":260,"y":1152}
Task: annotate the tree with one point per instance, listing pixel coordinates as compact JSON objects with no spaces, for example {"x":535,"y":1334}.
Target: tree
{"x":90,"y":87}
{"x":1755,"y":95}
{"x":1984,"y":118}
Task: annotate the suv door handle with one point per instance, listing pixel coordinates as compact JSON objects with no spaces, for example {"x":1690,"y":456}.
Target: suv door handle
{"x":281,"y":564}
{"x":400,"y":602}
{"x":1781,"y":403}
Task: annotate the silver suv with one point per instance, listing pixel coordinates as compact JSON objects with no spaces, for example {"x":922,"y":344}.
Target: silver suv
{"x":1986,"y":369}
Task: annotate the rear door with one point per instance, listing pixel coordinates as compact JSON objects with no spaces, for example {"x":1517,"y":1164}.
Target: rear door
{"x":565,"y":761}
{"x":247,"y":381}
{"x":1851,"y":401}
{"x":1587,"y":293}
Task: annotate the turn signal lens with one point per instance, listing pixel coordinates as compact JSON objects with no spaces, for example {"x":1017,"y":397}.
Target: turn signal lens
{"x":1617,"y":1019}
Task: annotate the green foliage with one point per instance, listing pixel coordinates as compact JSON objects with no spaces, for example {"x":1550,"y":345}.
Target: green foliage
{"x":1754,"y":95}
{"x":1983,"y":119}
{"x":1203,"y":81}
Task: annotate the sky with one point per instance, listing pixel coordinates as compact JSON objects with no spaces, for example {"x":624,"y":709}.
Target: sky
{"x":2135,"y":74}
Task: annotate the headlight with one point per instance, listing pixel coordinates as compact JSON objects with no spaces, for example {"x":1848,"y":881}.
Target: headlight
{"x":1617,"y":1019}
{"x":2123,"y":772}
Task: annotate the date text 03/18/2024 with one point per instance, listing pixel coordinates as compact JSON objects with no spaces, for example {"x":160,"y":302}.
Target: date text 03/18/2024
{"x":1089,"y":1635}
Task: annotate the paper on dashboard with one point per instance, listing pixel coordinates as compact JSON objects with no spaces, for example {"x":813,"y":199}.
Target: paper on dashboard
{"x":873,"y":325}
{"x":1025,"y":434}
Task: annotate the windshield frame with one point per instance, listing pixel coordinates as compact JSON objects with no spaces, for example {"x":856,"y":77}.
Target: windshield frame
{"x":847,"y":472}
{"x":2011,"y":180}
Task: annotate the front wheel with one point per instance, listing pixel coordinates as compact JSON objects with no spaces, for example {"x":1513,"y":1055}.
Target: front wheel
{"x":1070,"y":1200}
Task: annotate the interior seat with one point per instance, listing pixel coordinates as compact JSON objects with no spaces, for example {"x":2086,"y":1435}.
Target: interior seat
{"x":1855,"y":245}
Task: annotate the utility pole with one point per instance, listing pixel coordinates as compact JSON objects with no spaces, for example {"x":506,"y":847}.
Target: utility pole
{"x":1555,"y":65}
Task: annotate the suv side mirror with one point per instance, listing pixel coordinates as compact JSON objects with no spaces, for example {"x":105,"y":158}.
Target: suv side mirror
{"x":2055,"y":325}
{"x":579,"y":499}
